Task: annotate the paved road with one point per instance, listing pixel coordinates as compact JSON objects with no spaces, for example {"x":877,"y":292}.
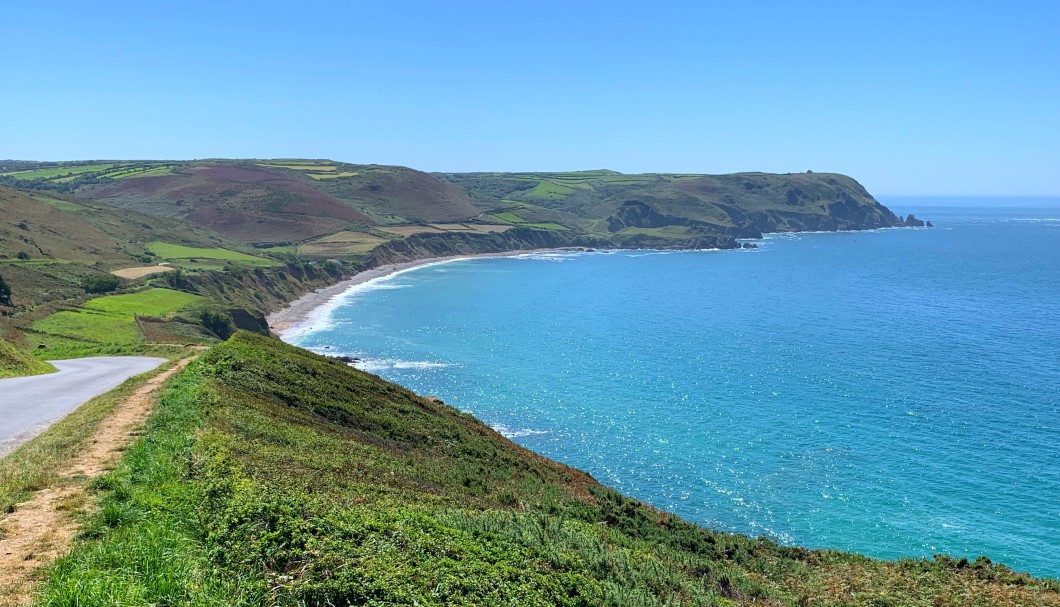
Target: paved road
{"x":28,"y":405}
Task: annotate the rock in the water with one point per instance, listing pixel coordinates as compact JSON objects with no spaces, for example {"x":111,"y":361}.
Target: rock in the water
{"x":912,"y":222}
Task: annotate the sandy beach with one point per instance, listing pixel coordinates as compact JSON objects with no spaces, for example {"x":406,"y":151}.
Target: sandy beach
{"x":300,"y":311}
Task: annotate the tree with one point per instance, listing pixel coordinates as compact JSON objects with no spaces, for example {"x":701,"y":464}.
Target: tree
{"x":5,"y":292}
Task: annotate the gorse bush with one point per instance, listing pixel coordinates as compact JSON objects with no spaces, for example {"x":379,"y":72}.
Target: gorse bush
{"x":99,"y":283}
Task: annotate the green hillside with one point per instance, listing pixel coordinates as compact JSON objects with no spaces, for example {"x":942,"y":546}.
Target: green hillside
{"x":62,"y":257}
{"x":306,"y":203}
{"x":269,"y":475}
{"x":15,"y":363}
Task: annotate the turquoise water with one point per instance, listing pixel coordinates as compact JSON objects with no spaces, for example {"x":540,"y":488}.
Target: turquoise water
{"x":894,"y":393}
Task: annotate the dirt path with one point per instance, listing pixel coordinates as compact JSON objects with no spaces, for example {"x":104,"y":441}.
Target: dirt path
{"x":41,"y":529}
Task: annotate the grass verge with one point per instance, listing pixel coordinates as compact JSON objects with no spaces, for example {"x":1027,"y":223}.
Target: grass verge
{"x":36,"y":464}
{"x":16,"y":363}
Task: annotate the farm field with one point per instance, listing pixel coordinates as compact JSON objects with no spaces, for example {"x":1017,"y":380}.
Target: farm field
{"x":141,"y":271}
{"x":318,"y":177}
{"x":508,"y":217}
{"x":61,"y":171}
{"x":108,"y":321}
{"x":547,"y":226}
{"x":664,"y":232}
{"x":180,"y":252}
{"x":410,"y":230}
{"x":342,"y":243}
{"x":68,"y":172}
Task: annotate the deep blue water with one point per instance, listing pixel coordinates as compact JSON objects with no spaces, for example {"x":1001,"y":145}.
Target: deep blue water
{"x":894,"y":393}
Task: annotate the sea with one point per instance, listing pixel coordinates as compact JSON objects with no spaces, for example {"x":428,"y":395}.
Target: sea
{"x":892,"y":392}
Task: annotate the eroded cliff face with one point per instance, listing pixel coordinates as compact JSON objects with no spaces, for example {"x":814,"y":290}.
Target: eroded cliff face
{"x":422,"y":246}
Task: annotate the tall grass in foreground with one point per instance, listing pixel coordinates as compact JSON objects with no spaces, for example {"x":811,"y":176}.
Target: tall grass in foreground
{"x":273,"y":476}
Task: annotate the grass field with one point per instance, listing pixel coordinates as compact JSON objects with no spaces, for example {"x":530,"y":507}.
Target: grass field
{"x":300,"y":166}
{"x":486,"y":227}
{"x":450,"y":227}
{"x":549,"y":190}
{"x":16,"y":363}
{"x":62,"y":205}
{"x":509,"y":217}
{"x":334,"y":175}
{"x":410,"y":230}
{"x":93,"y":327}
{"x":147,"y":171}
{"x":111,"y":320}
{"x":664,"y":232}
{"x":177,"y":252}
{"x":547,"y":226}
{"x":152,"y":302}
{"x":141,"y":271}
{"x":341,"y":243}
{"x":62,"y":171}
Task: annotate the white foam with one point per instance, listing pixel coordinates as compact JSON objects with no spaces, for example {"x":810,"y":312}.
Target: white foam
{"x":553,"y":256}
{"x":507,"y":432}
{"x":321,"y":318}
{"x":374,"y":365}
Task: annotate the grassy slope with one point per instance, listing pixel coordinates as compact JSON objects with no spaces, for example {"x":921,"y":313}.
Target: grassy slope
{"x":270,"y":475}
{"x":68,"y":239}
{"x":16,"y":363}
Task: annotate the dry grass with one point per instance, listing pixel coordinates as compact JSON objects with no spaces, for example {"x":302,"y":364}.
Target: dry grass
{"x":410,"y":230}
{"x":489,"y":227}
{"x":141,"y":271}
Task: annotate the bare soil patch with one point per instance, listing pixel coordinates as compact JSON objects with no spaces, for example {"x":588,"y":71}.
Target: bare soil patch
{"x":141,"y":271}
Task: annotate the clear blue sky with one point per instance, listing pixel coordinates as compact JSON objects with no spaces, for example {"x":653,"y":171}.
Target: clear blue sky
{"x":919,"y":97}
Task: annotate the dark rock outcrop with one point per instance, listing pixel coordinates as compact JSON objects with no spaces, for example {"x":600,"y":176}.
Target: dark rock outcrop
{"x":912,"y":222}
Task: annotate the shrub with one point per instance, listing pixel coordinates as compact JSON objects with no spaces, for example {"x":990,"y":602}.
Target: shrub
{"x":5,"y":292}
{"x":99,"y":283}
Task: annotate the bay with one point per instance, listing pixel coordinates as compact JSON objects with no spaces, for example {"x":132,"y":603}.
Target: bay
{"x":894,"y":393}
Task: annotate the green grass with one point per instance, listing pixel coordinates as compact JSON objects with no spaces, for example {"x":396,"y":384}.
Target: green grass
{"x":177,"y":252}
{"x":111,"y":320}
{"x":663,"y":232}
{"x":548,"y":190}
{"x":16,"y":363}
{"x":320,"y":176}
{"x":547,"y":226}
{"x":273,"y":476}
{"x":151,"y":302}
{"x":100,"y":328}
{"x":62,"y":205}
{"x":59,"y":171}
{"x":508,"y":217}
{"x":140,"y":171}
{"x":36,"y":464}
